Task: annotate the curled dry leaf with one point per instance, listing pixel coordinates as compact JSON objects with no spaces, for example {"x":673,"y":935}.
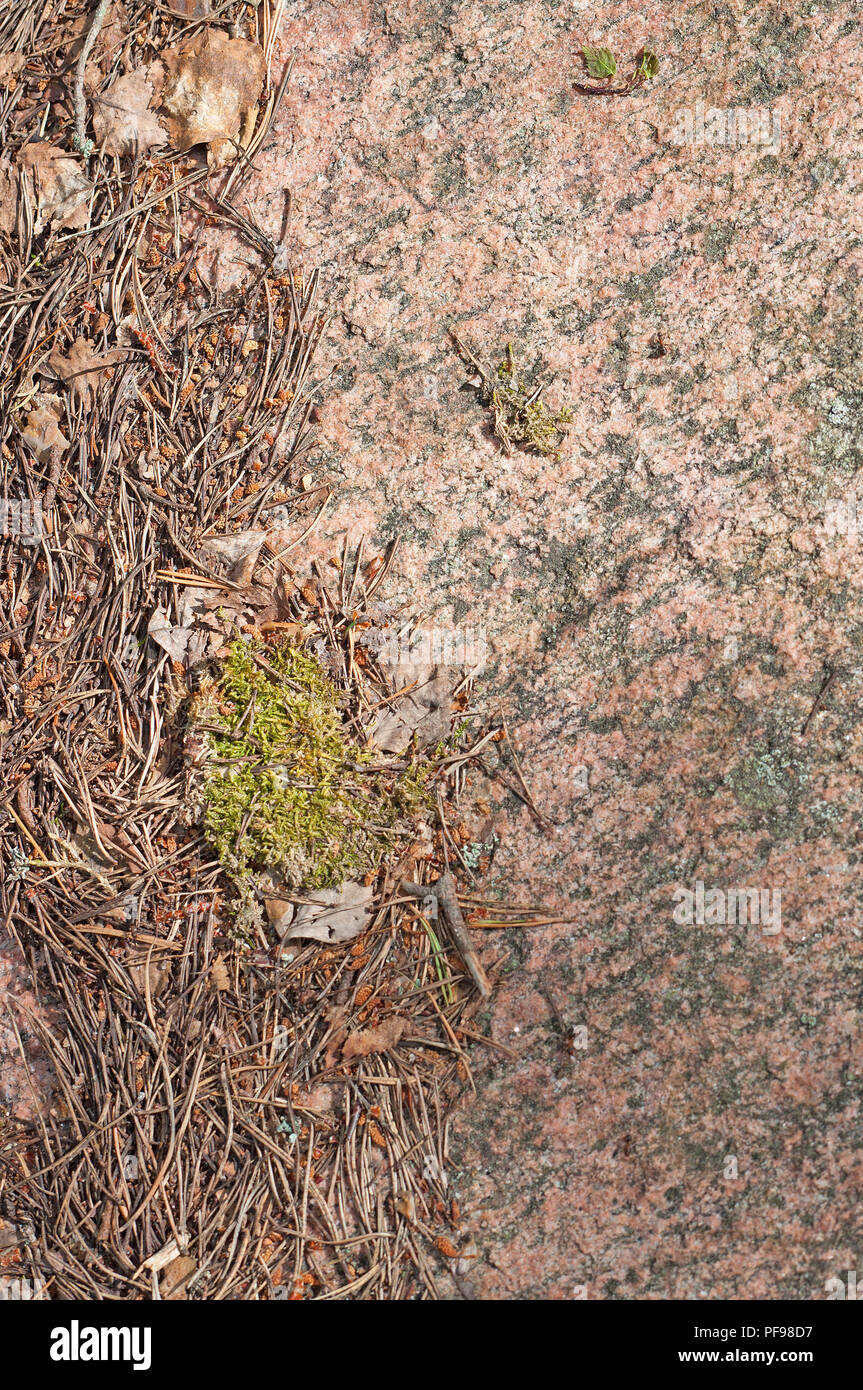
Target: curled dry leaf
{"x":60,"y":189}
{"x":332,"y":914}
{"x":81,"y":369}
{"x":280,"y":914}
{"x":123,"y":119}
{"x":379,"y":1039}
{"x":212,"y":85}
{"x":41,"y":428}
{"x":406,"y":1206}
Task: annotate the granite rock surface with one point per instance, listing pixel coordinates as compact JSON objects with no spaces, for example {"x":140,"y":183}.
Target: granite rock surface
{"x":672,"y":608}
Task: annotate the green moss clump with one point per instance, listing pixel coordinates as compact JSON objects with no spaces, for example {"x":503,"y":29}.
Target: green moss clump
{"x":521,"y":420}
{"x":284,"y":787}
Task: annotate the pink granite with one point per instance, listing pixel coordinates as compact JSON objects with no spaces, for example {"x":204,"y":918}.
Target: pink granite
{"x":663,"y":604}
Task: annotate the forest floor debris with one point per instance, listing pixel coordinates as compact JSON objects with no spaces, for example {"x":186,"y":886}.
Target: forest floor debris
{"x":237,"y":1113}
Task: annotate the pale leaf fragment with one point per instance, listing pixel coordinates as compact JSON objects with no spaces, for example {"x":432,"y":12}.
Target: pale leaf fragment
{"x":123,"y":119}
{"x":239,"y":553}
{"x":41,"y":429}
{"x":173,"y":640}
{"x":424,"y":711}
{"x":332,"y":914}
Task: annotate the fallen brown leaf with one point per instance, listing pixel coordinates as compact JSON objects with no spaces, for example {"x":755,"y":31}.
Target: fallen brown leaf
{"x":175,"y":1277}
{"x":81,"y":369}
{"x":123,"y":119}
{"x":212,"y":84}
{"x":10,"y":66}
{"x":8,"y":197}
{"x":150,"y":977}
{"x":219,"y":978}
{"x":61,"y":190}
{"x":379,"y":1039}
{"x":115,"y":29}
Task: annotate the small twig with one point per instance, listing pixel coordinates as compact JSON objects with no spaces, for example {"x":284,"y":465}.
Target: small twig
{"x":528,"y":799}
{"x":80,"y":142}
{"x":819,"y":698}
{"x":444,"y":890}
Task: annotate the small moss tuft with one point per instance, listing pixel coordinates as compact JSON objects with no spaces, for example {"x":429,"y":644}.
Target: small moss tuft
{"x":284,"y":786}
{"x":522,"y":420}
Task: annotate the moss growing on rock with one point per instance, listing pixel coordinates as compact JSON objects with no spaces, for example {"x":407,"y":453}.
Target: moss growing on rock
{"x":284,"y":788}
{"x":521,"y":419}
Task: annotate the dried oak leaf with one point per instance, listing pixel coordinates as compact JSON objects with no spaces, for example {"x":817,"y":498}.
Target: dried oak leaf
{"x":123,"y":119}
{"x":212,"y":85}
{"x":379,"y":1039}
{"x":82,"y":368}
{"x":41,"y":429}
{"x":61,"y":191}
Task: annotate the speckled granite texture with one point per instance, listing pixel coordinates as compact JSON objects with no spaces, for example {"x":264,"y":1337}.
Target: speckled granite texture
{"x":663,"y":605}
